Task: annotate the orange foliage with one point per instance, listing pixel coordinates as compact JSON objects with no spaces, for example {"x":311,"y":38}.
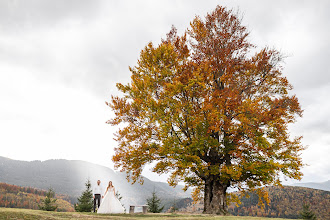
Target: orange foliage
{"x":27,"y":197}
{"x":285,"y":202}
{"x":203,"y":108}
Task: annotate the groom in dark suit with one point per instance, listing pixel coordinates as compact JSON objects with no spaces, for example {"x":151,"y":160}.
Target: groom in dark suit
{"x":97,"y":191}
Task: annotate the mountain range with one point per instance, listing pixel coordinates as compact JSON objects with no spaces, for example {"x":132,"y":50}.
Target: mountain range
{"x":313,"y":185}
{"x":69,"y":177}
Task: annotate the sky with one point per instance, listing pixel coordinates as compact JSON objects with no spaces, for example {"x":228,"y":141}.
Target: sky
{"x":60,"y":61}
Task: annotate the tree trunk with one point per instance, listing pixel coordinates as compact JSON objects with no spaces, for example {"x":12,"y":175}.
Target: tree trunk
{"x":215,"y":201}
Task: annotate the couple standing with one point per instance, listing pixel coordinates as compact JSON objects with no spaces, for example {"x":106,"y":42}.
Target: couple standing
{"x":110,"y":203}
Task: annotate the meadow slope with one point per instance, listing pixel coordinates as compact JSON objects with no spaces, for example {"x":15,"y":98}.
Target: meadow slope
{"x":28,"y":214}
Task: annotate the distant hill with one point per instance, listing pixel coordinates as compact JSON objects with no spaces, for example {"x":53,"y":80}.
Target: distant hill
{"x":69,"y":176}
{"x":285,"y":202}
{"x":12,"y":196}
{"x":323,"y":186}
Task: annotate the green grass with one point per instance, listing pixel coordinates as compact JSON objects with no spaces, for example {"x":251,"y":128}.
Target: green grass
{"x":28,"y":214}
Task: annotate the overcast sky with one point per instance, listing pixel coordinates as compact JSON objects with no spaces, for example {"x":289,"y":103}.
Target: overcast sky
{"x":60,"y":61}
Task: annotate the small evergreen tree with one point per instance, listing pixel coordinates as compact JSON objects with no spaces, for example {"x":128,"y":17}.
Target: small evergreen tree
{"x":49,"y":203}
{"x":306,"y":213}
{"x":85,"y":201}
{"x":154,"y":204}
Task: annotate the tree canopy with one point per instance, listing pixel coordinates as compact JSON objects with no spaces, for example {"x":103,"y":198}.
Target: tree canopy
{"x":208,"y":109}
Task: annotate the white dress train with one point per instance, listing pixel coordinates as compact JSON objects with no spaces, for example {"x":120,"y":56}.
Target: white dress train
{"x":110,"y":203}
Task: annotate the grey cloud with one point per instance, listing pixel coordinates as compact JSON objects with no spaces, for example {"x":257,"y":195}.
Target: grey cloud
{"x":311,"y":70}
{"x":315,"y":120}
{"x":129,"y":26}
{"x":302,"y":30}
{"x":318,"y":126}
{"x":110,"y":40}
{"x":38,"y":13}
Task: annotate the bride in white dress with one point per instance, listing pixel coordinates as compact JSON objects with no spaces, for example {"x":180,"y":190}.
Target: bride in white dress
{"x":110,"y":203}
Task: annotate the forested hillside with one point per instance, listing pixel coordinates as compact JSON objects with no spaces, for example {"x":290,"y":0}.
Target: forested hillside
{"x":286,"y":202}
{"x":12,"y":196}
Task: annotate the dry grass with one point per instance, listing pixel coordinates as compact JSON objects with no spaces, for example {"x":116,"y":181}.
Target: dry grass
{"x":28,"y":214}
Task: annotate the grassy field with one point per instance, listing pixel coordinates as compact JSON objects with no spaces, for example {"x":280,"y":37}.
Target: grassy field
{"x":28,"y":214}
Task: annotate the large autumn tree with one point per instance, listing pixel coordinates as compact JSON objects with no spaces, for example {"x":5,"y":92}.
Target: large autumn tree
{"x":209,"y":110}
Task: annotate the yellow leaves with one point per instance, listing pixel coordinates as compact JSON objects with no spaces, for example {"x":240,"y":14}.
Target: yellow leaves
{"x":197,"y":194}
{"x":200,"y":107}
{"x":233,"y":198}
{"x":198,"y":28}
{"x":234,"y":172}
{"x":263,"y":197}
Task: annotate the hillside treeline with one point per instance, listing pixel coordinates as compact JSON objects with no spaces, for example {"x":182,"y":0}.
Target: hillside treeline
{"x":12,"y":196}
{"x":286,"y":202}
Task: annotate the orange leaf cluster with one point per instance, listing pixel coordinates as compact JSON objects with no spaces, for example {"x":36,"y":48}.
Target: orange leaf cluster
{"x":200,"y":106}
